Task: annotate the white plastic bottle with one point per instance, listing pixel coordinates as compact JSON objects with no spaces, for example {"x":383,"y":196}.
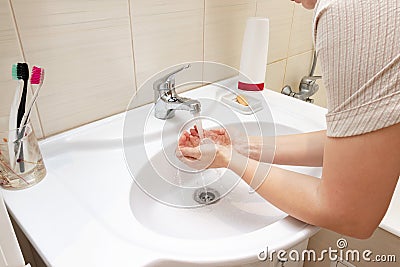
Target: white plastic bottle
{"x":253,"y":62}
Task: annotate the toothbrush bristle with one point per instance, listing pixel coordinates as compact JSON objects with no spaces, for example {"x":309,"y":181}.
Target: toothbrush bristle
{"x":36,"y":76}
{"x":14,"y":72}
{"x":23,"y":71}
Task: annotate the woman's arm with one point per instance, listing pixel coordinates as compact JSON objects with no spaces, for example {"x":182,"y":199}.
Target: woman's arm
{"x":358,"y":180}
{"x":305,"y":149}
{"x":359,"y":177}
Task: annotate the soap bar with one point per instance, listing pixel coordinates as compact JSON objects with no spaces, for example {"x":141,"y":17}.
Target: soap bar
{"x":242,"y":100}
{"x":253,"y":104}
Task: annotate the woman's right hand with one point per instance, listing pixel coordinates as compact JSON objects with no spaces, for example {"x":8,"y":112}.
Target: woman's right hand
{"x":192,"y":138}
{"x":251,"y":147}
{"x":213,"y":152}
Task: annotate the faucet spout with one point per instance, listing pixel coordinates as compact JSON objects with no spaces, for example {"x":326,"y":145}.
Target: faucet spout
{"x":166,"y":100}
{"x":165,"y":107}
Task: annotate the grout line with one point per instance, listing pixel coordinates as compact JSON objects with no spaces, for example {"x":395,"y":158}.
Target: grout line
{"x":19,"y":40}
{"x":284,"y":74}
{"x":291,"y":30}
{"x":302,"y":53}
{"x":277,"y":60}
{"x":17,"y":30}
{"x":287,"y":51}
{"x":133,"y":49}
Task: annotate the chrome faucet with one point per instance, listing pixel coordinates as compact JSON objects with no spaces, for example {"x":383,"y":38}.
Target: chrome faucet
{"x":307,"y":87}
{"x":166,"y":100}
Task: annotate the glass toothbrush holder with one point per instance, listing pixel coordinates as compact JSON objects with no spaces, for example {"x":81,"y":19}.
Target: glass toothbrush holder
{"x":21,"y":162}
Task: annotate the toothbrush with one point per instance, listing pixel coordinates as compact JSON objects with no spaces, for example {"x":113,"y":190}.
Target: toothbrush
{"x":37,"y":77}
{"x":22,"y":73}
{"x":13,"y":121}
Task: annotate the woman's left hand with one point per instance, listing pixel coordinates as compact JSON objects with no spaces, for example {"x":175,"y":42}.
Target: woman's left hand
{"x":214,"y":151}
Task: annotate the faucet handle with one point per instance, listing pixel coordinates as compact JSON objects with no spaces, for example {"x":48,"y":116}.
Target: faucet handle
{"x":310,"y":79}
{"x":167,"y":82}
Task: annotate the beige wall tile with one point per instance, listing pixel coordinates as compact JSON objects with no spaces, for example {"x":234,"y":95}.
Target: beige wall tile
{"x":225,"y":3}
{"x":156,"y":7}
{"x":301,"y":32}
{"x":85,"y":47}
{"x":164,"y":40}
{"x":173,"y":36}
{"x":10,"y":53}
{"x":225,"y":22}
{"x":275,"y":75}
{"x":297,"y":67}
{"x":280,"y":14}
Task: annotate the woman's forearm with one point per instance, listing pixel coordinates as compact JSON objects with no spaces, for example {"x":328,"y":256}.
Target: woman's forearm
{"x":292,"y":192}
{"x":299,"y":149}
{"x":359,"y":177}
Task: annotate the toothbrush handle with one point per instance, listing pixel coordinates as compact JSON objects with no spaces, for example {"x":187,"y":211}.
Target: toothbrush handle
{"x":22,"y":103}
{"x":27,"y":113}
{"x":20,"y":135}
{"x":21,"y":158}
{"x":19,"y":149}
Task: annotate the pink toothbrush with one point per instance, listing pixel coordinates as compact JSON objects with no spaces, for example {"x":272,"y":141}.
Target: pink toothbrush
{"x":37,"y":78}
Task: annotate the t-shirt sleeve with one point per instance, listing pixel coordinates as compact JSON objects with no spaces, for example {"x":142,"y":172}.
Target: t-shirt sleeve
{"x":358,"y":46}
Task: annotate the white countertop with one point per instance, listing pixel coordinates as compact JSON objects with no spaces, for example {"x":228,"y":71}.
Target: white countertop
{"x":80,"y":217}
{"x":391,"y":221}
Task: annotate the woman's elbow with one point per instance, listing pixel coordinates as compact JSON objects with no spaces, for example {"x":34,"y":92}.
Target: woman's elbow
{"x":350,"y":224}
{"x":360,"y":231}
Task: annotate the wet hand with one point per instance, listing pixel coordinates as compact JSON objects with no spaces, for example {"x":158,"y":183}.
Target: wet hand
{"x":192,"y":138}
{"x":214,"y":151}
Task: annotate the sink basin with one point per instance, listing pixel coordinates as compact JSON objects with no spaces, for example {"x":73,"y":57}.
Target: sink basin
{"x":238,"y":210}
{"x":164,"y":197}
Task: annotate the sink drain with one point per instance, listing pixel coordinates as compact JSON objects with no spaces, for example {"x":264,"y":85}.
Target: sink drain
{"x":206,"y":195}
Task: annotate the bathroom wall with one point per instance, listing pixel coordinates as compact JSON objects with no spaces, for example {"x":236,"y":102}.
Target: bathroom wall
{"x":98,"y":53}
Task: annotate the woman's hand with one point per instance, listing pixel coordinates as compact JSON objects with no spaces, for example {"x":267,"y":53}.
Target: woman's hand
{"x":214,"y":151}
{"x":192,"y":138}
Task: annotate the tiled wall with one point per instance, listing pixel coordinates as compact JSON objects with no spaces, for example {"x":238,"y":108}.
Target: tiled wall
{"x":97,"y":53}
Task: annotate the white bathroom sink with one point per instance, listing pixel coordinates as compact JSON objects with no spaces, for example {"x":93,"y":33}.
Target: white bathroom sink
{"x":91,"y":210}
{"x":237,"y":212}
{"x":163,"y":199}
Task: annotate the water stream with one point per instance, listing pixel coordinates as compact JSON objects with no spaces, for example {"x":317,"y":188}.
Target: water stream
{"x":199,"y":125}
